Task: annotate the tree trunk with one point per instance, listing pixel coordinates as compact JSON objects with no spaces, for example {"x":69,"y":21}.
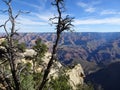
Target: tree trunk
{"x":47,"y":71}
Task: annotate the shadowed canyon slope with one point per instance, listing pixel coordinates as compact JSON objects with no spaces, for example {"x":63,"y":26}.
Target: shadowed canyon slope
{"x":108,"y":78}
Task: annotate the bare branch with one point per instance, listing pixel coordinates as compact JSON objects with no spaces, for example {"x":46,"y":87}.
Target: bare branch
{"x":5,"y":25}
{"x":7,"y":2}
{"x":3,"y":62}
{"x":19,"y":12}
{"x":21,"y":69}
{"x":16,"y":31}
{"x":5,"y":81}
{"x":1,"y":25}
{"x":53,"y":18}
{"x":10,"y":45}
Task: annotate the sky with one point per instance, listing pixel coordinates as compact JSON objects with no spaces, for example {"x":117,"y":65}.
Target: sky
{"x":89,"y":15}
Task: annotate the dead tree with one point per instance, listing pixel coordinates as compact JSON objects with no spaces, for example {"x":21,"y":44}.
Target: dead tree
{"x":62,"y":24}
{"x":10,"y":48}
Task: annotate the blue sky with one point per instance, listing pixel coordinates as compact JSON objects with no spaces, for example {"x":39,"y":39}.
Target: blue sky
{"x":90,"y":15}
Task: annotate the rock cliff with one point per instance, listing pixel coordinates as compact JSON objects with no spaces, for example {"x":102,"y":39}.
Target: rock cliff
{"x":76,"y":74}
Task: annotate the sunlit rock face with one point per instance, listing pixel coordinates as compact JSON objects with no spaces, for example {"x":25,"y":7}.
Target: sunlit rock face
{"x":30,"y":52}
{"x":2,"y":40}
{"x":76,"y":76}
{"x":55,"y":67}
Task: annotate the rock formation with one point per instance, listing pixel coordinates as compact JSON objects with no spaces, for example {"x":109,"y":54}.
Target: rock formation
{"x":76,"y":76}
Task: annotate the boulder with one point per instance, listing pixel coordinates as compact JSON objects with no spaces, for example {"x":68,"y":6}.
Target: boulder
{"x":30,"y":52}
{"x":2,"y":40}
{"x":76,"y":76}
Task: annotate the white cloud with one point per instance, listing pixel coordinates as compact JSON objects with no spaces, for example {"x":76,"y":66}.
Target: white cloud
{"x":87,"y":7}
{"x":24,"y":20}
{"x":39,"y":7}
{"x":107,"y":12}
{"x":27,"y":24}
{"x":82,"y":4}
{"x":44,"y":17}
{"x":28,"y":21}
{"x":3,"y":19}
{"x":90,"y":9}
{"x":47,"y":15}
{"x":113,"y":21}
{"x":43,"y":2}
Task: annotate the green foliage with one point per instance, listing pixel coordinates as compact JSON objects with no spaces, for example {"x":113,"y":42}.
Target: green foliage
{"x":19,"y":46}
{"x":59,"y":83}
{"x":26,"y":77}
{"x":27,"y":68}
{"x":4,"y":43}
{"x":22,"y":47}
{"x":30,"y":79}
{"x":41,"y":49}
{"x":29,"y":65}
{"x":37,"y":77}
{"x":2,"y":54}
{"x":27,"y":82}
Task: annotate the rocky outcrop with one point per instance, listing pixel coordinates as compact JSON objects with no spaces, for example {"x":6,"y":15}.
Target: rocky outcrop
{"x":76,"y":76}
{"x":2,"y":40}
{"x":29,"y":52}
